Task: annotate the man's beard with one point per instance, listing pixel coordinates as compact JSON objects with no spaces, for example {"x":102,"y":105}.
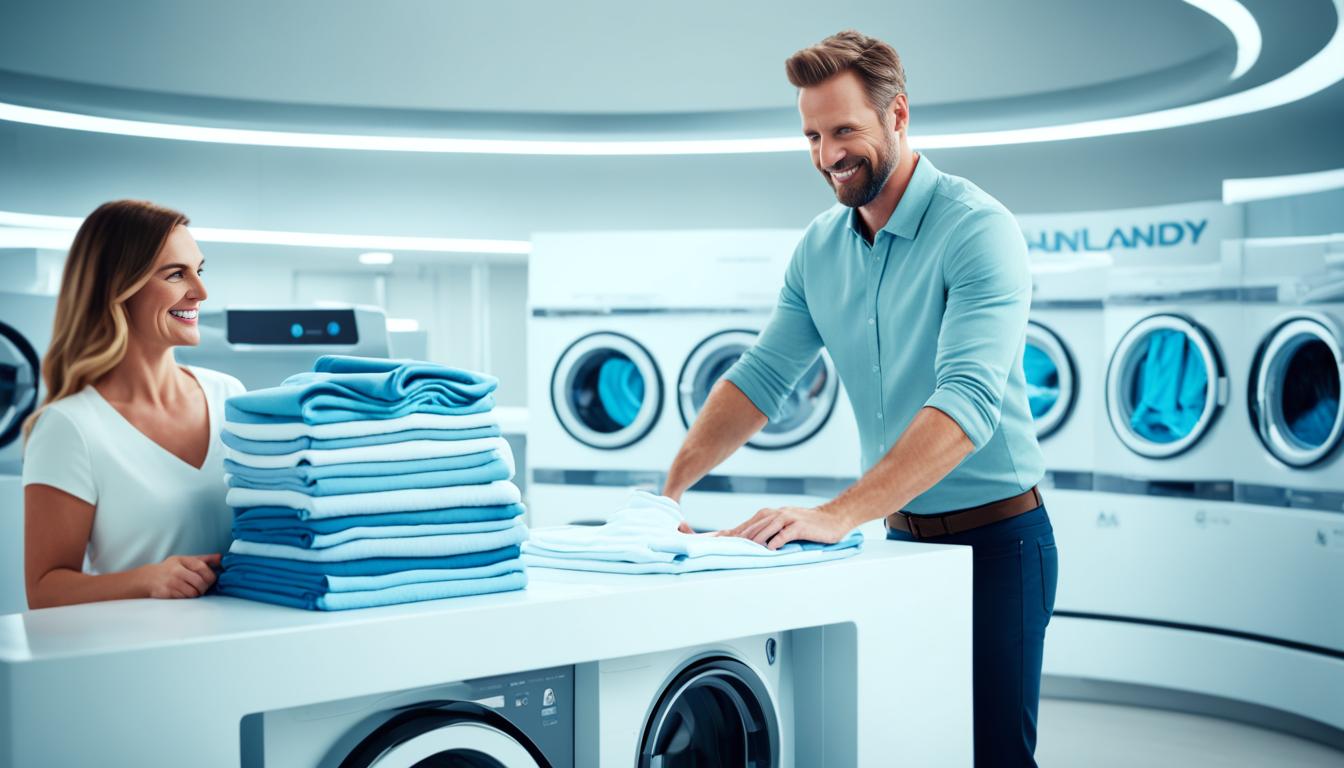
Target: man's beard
{"x":860,"y":192}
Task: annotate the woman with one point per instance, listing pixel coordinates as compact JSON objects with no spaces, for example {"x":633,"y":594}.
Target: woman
{"x":123,"y":460}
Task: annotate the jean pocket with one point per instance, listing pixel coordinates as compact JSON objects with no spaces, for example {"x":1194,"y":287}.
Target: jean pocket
{"x":1049,"y":574}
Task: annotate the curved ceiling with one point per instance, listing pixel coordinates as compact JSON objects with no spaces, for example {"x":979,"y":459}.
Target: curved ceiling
{"x":596,"y":57}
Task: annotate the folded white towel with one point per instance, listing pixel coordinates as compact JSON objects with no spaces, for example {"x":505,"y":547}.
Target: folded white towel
{"x":416,"y":546}
{"x":292,"y":430}
{"x":408,"y":451}
{"x":643,"y":538}
{"x":498,"y":493}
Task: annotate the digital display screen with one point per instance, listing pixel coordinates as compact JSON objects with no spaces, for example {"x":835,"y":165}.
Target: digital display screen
{"x":290,"y":327}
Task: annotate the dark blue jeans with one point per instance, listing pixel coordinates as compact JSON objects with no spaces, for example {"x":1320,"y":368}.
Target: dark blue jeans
{"x":1016,"y":567}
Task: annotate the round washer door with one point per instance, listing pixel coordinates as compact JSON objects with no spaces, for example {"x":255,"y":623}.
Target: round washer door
{"x":20,"y":373}
{"x":716,"y":711}
{"x":1052,"y":385}
{"x":1165,"y":386}
{"x":606,"y":390}
{"x":804,"y":413}
{"x":460,"y":735}
{"x":1295,"y":383}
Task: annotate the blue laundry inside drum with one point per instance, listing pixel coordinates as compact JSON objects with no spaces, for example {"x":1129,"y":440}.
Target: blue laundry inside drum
{"x":1042,"y":380}
{"x":620,"y":389}
{"x":1310,"y":393}
{"x":1169,"y":388}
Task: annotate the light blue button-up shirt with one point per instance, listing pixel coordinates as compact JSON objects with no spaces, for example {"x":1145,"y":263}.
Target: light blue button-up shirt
{"x":933,"y":313}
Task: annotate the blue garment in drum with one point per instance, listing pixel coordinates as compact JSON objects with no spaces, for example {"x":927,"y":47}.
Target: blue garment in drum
{"x":1313,"y":426}
{"x":620,"y":387}
{"x":1042,"y":380}
{"x":1169,"y":389}
{"x":355,"y":388}
{"x":405,"y":593}
{"x":280,"y":447}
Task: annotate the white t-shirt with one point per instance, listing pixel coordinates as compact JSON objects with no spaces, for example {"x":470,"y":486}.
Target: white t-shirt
{"x":148,"y":503}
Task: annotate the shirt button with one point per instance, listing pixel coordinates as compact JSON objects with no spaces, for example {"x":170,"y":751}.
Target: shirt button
{"x":874,"y":369}
{"x":872,"y":320}
{"x":881,"y":447}
{"x":879,"y":415}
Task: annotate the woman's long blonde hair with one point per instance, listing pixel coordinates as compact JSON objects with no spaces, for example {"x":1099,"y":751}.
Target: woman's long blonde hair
{"x":111,"y":259}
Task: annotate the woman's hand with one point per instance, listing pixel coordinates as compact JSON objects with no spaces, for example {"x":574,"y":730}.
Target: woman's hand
{"x":179,"y":576}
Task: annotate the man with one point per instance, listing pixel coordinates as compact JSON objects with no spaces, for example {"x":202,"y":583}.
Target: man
{"x":917,"y":283}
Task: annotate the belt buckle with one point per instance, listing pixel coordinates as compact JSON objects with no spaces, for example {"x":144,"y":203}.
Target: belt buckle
{"x":913,"y":522}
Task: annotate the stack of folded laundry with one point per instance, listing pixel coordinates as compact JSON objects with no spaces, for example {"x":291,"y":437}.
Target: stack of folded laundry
{"x":643,"y":538}
{"x":370,"y":482}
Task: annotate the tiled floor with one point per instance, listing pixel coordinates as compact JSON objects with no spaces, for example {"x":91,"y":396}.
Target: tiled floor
{"x":1075,"y":733}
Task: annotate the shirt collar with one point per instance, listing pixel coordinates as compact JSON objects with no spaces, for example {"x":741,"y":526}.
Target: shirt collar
{"x":905,"y":220}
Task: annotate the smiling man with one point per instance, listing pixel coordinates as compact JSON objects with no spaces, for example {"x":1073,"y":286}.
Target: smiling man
{"x":917,"y":284}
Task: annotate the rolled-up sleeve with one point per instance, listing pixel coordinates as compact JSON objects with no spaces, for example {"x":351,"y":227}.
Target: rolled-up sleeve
{"x":988,"y":282}
{"x":788,"y":345}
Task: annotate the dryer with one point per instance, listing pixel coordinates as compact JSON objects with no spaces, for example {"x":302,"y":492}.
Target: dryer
{"x":626,"y":335}
{"x":1169,"y":544}
{"x":25,"y":333}
{"x":1064,"y":370}
{"x":726,"y":703}
{"x":519,"y":720}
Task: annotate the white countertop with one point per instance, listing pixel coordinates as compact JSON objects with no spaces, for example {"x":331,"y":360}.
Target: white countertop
{"x":181,"y":673}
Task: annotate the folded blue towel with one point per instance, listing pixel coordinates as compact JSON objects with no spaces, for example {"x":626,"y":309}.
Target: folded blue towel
{"x":354,"y":388}
{"x":373,"y":566}
{"x":1042,"y":380}
{"x":620,"y":387}
{"x":341,"y":486}
{"x":405,"y":546}
{"x":305,"y":473}
{"x":379,"y":531}
{"x":494,"y":470}
{"x":401,"y":500}
{"x":279,"y":447}
{"x":1170,"y":388}
{"x":288,"y":522}
{"x":262,"y":577}
{"x":406,"y":593}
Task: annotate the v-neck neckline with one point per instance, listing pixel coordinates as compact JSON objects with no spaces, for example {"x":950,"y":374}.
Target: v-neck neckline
{"x":209,"y":416}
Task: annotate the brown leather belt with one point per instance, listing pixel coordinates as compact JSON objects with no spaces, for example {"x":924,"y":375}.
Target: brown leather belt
{"x":962,"y":520}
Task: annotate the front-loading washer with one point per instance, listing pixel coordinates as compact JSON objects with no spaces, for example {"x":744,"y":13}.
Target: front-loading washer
{"x":518,"y":720}
{"x":723,"y":703}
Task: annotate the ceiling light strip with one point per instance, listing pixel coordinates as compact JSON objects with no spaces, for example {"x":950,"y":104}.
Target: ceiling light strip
{"x":1270,"y":187}
{"x":1245,"y":31}
{"x":1319,"y":72}
{"x":68,"y":224}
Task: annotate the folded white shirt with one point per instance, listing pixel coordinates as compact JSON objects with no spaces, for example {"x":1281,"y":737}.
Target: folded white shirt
{"x":360,"y":428}
{"x":643,"y":538}
{"x":407,"y":451}
{"x":498,"y":493}
{"x":416,"y":546}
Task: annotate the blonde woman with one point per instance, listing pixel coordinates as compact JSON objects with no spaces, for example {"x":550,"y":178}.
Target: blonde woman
{"x":123,"y":461}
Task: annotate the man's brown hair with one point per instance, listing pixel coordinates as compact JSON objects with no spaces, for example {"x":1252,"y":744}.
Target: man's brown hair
{"x":876,"y":63}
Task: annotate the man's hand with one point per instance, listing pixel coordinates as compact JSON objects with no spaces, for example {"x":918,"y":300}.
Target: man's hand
{"x":778,"y":526}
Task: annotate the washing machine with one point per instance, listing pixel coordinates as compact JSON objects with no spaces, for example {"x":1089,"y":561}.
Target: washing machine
{"x":1170,"y":544}
{"x":25,"y":332}
{"x":726,"y":703}
{"x":627,"y":334}
{"x":1293,"y":481}
{"x":519,"y":720}
{"x":1064,"y":370}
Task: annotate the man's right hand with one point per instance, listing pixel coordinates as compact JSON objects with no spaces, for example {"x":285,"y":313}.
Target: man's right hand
{"x":179,"y":576}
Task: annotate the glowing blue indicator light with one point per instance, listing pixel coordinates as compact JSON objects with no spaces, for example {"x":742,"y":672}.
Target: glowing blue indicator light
{"x":333,"y":328}
{"x":296,"y":330}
